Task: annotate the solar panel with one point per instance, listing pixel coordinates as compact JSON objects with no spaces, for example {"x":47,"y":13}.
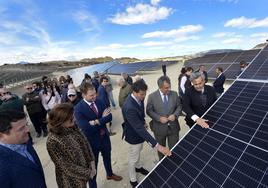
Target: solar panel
{"x":258,"y":69}
{"x":233,"y":152}
{"x":78,"y":74}
{"x":133,"y":68}
{"x":230,"y":62}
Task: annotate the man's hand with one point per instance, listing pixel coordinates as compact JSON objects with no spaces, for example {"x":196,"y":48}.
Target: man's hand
{"x":94,"y":122}
{"x":106,"y":112}
{"x":163,"y":119}
{"x":202,"y":123}
{"x":93,"y":169}
{"x":165,"y":151}
{"x":172,"y":117}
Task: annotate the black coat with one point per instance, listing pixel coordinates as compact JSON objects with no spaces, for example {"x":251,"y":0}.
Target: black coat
{"x":192,"y":103}
{"x":218,"y":84}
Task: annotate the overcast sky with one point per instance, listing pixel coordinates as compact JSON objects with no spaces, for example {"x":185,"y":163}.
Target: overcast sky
{"x":43,"y":30}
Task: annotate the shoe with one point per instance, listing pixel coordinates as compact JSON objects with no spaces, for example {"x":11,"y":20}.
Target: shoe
{"x":142,"y":171}
{"x":114,"y":177}
{"x":112,"y":133}
{"x":133,"y":184}
{"x":44,"y":134}
{"x":38,"y":135}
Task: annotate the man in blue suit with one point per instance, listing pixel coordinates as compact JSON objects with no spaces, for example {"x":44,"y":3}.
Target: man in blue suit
{"x":92,"y":115}
{"x":103,"y":96}
{"x":218,"y":83}
{"x":20,"y":166}
{"x":135,"y":130}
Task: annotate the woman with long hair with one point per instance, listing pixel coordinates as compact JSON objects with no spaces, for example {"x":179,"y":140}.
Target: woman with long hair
{"x":69,"y":149}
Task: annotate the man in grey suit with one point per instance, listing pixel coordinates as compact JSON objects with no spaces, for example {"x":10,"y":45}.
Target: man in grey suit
{"x":164,"y":107}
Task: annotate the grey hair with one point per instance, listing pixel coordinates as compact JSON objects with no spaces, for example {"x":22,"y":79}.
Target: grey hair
{"x":161,"y":81}
{"x":120,"y":79}
{"x":196,"y":75}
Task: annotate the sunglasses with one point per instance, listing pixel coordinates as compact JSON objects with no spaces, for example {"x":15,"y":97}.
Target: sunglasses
{"x":71,"y":95}
{"x":29,"y":88}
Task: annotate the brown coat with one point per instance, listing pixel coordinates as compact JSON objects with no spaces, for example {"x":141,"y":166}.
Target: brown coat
{"x":71,"y":155}
{"x":123,"y":94}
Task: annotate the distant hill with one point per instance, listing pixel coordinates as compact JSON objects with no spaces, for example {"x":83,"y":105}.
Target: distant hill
{"x":125,"y":60}
{"x":23,"y":63}
{"x":259,"y":46}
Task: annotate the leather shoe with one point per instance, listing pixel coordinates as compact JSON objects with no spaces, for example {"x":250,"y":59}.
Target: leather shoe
{"x":114,"y":177}
{"x":142,"y":171}
{"x":133,"y":184}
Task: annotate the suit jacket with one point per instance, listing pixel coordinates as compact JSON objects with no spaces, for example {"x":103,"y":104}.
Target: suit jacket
{"x":155,"y":108}
{"x":17,"y":171}
{"x":218,"y":84}
{"x":192,"y":103}
{"x":103,"y":95}
{"x":134,"y":130}
{"x":83,"y":114}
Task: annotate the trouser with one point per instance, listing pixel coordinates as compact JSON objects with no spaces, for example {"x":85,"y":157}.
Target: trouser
{"x":37,"y":122}
{"x":105,"y":150}
{"x":134,"y":160}
{"x":171,"y":137}
{"x":111,"y":98}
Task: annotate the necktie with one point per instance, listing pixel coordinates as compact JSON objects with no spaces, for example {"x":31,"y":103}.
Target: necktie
{"x":92,"y":106}
{"x":166,"y":103}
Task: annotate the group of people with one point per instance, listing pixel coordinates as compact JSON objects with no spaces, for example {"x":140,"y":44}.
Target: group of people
{"x":77,"y":123}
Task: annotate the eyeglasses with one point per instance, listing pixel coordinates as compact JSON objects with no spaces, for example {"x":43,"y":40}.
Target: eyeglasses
{"x":71,"y":95}
{"x":29,"y":88}
{"x":5,"y":93}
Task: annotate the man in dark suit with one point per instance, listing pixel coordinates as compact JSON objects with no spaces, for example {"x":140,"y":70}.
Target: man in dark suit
{"x":103,"y":96}
{"x":164,"y":107}
{"x":218,"y":83}
{"x":20,"y":166}
{"x":92,"y":115}
{"x":164,"y":69}
{"x":197,"y":100}
{"x":135,"y":130}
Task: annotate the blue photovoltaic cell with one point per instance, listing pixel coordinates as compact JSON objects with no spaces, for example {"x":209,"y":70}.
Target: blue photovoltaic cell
{"x":206,"y":158}
{"x":233,"y":152}
{"x":241,"y":111}
{"x":133,"y":68}
{"x":258,"y":69}
{"x":230,"y":62}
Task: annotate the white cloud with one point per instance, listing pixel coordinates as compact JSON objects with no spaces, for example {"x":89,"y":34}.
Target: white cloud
{"x":243,"y":22}
{"x":155,"y":2}
{"x":223,"y":34}
{"x":87,"y":21}
{"x":232,"y":41}
{"x":141,"y":14}
{"x":156,"y":43}
{"x":174,"y":33}
{"x":259,"y":35}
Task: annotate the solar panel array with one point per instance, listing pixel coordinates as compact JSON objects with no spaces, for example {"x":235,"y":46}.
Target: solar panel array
{"x":258,"y":69}
{"x":233,"y":152}
{"x":230,"y":62}
{"x":132,"y":68}
{"x":115,"y":67}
